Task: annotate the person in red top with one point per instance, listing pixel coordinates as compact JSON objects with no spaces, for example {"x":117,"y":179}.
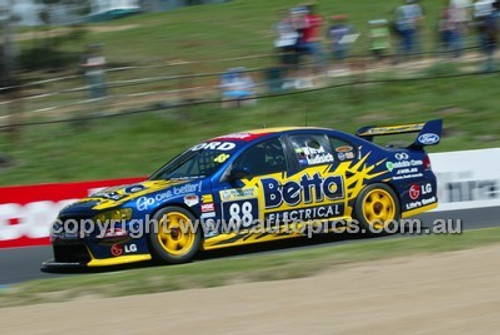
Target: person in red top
{"x":310,"y":29}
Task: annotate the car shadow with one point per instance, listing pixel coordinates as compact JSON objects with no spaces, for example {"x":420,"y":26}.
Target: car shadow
{"x":230,"y":252}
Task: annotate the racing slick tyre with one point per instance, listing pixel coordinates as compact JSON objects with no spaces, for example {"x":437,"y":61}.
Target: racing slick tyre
{"x":377,"y":209}
{"x":172,"y":237}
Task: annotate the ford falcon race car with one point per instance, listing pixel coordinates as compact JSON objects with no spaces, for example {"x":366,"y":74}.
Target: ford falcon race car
{"x":251,"y":187}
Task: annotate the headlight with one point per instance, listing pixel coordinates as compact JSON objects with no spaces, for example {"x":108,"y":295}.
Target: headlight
{"x":56,"y":229}
{"x":114,"y":215}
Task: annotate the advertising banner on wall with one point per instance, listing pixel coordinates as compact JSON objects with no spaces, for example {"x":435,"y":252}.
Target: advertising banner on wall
{"x":26,"y":212}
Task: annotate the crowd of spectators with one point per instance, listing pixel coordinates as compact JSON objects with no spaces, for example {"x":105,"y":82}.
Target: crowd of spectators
{"x":304,"y":37}
{"x":301,"y":31}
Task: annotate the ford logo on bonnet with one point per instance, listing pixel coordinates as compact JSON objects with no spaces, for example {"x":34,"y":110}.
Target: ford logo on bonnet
{"x":428,"y":139}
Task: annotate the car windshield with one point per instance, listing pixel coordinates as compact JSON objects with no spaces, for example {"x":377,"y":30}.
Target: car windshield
{"x":192,"y":164}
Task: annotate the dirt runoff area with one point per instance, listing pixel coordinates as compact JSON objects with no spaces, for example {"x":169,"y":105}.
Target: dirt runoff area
{"x":448,"y":293}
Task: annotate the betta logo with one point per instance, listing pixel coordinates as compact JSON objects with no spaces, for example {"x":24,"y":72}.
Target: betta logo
{"x":307,"y":189}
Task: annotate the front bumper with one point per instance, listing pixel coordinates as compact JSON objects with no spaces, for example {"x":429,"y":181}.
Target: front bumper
{"x":54,"y":264}
{"x":77,"y":254}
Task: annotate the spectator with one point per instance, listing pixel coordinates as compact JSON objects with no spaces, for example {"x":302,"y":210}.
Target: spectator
{"x":447,"y":28}
{"x":460,"y":17}
{"x":287,"y":40}
{"x":341,"y":35}
{"x":490,"y":36}
{"x":237,"y":88}
{"x":310,"y":27}
{"x":482,"y":8}
{"x":93,"y":65}
{"x":408,"y":17}
{"x":380,"y":38}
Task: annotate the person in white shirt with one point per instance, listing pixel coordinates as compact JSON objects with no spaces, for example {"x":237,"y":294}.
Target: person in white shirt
{"x":483,"y":8}
{"x":461,"y":10}
{"x":287,"y":39}
{"x":93,"y":65}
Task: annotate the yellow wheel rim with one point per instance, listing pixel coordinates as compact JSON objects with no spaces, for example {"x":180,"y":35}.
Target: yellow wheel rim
{"x":175,"y":233}
{"x":379,"y":208}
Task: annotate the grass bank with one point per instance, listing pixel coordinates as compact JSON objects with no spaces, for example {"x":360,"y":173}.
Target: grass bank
{"x":135,"y":145}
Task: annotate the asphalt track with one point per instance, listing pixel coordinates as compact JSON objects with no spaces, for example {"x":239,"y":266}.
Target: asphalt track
{"x":22,"y":264}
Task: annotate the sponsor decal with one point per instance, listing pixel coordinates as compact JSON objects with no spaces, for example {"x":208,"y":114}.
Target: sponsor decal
{"x":205,"y":208}
{"x":235,"y":136}
{"x":341,"y":156}
{"x":414,"y":192}
{"x":237,"y":194}
{"x":304,"y":191}
{"x":210,"y":228}
{"x":349,"y":155}
{"x":401,"y":156}
{"x":344,"y":149}
{"x":420,"y":203}
{"x":428,"y":138}
{"x":408,"y":176}
{"x":207,"y":198}
{"x":221,"y":158}
{"x":305,"y":214}
{"x":134,"y":189}
{"x":111,"y":195}
{"x":392,"y":129}
{"x":191,"y":200}
{"x":117,"y":250}
{"x":146,"y":202}
{"x":118,"y":192}
{"x":404,"y":164}
{"x":315,"y":156}
{"x":426,"y":189}
{"x":219,"y":146}
{"x":239,"y":137}
{"x":130,"y":249}
{"x":405,"y":169}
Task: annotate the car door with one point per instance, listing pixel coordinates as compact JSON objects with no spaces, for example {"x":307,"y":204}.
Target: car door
{"x":318,"y":170}
{"x":240,"y":201}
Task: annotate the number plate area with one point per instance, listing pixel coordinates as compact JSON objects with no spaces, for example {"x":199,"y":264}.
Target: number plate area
{"x":241,"y":213}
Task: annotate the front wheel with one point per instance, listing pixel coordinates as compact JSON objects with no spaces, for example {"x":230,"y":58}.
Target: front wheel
{"x":173,"y":238}
{"x":377,"y":209}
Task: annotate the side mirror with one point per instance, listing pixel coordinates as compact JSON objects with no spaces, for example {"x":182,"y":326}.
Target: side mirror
{"x":239,"y":173}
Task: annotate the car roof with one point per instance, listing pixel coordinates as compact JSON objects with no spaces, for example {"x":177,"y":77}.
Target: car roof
{"x":280,"y":130}
{"x":251,"y":135}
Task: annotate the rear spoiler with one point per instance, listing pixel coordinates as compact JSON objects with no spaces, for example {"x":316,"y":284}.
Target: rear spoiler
{"x":429,"y":133}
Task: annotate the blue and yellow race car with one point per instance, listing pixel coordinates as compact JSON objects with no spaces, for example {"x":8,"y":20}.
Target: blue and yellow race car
{"x":250,"y":187}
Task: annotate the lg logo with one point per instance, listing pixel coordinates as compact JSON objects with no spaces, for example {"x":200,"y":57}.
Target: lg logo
{"x":117,"y":249}
{"x":414,"y":192}
{"x":400,"y":156}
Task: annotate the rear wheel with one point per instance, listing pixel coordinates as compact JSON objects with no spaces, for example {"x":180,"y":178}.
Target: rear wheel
{"x":172,"y":237}
{"x":377,"y":209}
